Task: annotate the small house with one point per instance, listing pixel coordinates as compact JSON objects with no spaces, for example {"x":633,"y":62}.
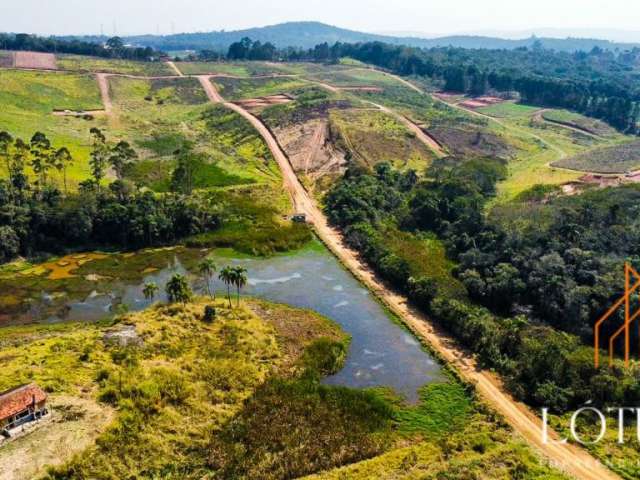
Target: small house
{"x":21,"y":405}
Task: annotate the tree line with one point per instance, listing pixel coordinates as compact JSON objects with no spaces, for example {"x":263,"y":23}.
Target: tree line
{"x":534,"y":291}
{"x":599,"y":83}
{"x":37,"y":216}
{"x":113,"y":48}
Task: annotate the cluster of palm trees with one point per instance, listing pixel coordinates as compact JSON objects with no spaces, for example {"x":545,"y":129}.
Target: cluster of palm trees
{"x":178,"y":289}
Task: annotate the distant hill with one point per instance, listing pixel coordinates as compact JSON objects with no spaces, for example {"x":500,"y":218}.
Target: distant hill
{"x":308,"y":34}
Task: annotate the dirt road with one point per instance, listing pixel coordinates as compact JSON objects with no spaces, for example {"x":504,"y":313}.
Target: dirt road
{"x":175,"y":69}
{"x":573,"y":460}
{"x":103,"y":84}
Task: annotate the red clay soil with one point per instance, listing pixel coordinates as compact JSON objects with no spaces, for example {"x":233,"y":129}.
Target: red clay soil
{"x":36,"y":60}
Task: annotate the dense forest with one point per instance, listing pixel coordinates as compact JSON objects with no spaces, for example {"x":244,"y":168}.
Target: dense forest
{"x":537,"y":288}
{"x":112,"y":48}
{"x":37,"y":216}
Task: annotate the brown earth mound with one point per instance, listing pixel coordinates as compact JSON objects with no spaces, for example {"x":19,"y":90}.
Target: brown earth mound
{"x":36,"y":60}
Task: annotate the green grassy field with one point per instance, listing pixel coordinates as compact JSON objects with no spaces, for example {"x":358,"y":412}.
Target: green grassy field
{"x":28,"y":100}
{"x":238,"y":89}
{"x":508,"y":110}
{"x":80,"y":63}
{"x":350,"y":77}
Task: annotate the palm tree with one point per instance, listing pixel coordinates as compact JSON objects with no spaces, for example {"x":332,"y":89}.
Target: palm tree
{"x":227,"y":275}
{"x":149,"y":291}
{"x":240,"y":280}
{"x":207,"y":268}
{"x":178,"y":289}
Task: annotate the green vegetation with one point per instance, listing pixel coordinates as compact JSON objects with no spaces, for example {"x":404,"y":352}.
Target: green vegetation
{"x":30,"y":98}
{"x":560,"y":259}
{"x":238,"y":89}
{"x":373,"y":136}
{"x":508,"y":110}
{"x":80,"y":63}
{"x":613,"y":159}
{"x":571,"y":119}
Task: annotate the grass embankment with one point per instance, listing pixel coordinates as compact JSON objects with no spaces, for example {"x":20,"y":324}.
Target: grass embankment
{"x":572,"y":119}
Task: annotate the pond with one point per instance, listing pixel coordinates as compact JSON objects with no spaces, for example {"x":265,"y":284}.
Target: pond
{"x":382,"y":353}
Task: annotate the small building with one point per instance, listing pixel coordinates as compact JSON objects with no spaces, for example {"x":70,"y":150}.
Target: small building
{"x":21,"y":405}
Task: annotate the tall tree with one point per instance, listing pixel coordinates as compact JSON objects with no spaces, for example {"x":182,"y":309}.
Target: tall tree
{"x":239,"y":280}
{"x":207,"y":268}
{"x":121,"y":155}
{"x":63,"y":159}
{"x":227,"y":275}
{"x":99,"y":156}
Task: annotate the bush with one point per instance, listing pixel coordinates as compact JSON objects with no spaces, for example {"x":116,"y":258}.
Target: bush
{"x":209,"y":314}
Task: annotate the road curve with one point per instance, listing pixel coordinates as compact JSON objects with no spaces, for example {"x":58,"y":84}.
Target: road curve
{"x":571,"y":459}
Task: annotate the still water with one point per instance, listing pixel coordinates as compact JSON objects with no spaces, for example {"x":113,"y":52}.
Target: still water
{"x":381,"y":353}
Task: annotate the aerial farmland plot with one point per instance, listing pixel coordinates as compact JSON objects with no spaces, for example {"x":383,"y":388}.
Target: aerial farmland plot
{"x":81,"y":63}
{"x":29,"y":99}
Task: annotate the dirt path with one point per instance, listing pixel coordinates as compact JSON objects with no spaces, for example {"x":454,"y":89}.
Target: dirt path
{"x":175,"y":69}
{"x":575,"y":461}
{"x":103,"y":84}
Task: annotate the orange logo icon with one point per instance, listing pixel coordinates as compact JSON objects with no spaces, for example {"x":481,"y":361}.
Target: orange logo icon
{"x":629,"y":289}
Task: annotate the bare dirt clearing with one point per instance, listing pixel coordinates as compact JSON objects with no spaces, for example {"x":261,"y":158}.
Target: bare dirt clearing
{"x":36,"y":60}
{"x":480,"y":102}
{"x":262,"y":102}
{"x":74,"y":425}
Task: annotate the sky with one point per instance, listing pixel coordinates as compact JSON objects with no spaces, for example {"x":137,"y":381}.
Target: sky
{"x":427,"y":17}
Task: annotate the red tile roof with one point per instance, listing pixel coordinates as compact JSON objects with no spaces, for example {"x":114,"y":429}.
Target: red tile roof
{"x":20,"y":398}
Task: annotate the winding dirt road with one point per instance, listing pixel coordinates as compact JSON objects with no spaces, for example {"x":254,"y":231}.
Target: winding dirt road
{"x":573,"y":460}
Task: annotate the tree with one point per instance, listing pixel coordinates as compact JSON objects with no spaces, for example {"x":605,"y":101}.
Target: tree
{"x":63,"y":159}
{"x":9,"y":243}
{"x":240,"y":280}
{"x":178,"y":289}
{"x":149,"y":291}
{"x":6,"y":141}
{"x":227,"y":275}
{"x":207,"y":268}
{"x":99,"y":155}
{"x":121,"y":155}
{"x":41,"y":157}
